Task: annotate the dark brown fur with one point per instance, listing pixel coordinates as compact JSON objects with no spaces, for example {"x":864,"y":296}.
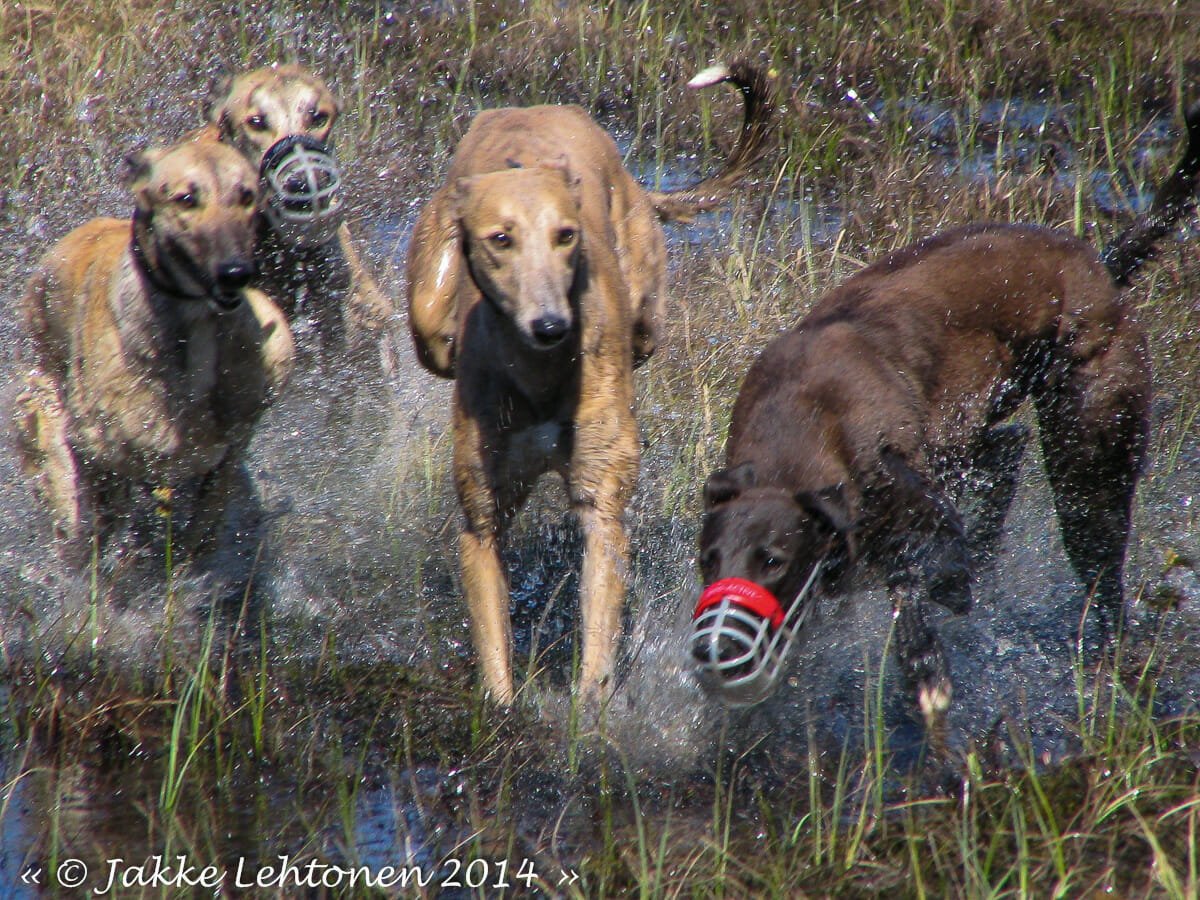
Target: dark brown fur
{"x":847,"y":428}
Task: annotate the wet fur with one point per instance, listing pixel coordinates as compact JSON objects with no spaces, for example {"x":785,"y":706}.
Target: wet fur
{"x":536,"y":277}
{"x":849,"y":430}
{"x":154,"y":362}
{"x":629,"y":215}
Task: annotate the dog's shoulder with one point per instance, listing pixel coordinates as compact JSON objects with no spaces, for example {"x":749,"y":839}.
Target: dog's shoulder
{"x":99,"y":242}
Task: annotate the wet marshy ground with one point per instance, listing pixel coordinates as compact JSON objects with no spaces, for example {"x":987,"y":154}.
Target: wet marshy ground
{"x":308,"y":693}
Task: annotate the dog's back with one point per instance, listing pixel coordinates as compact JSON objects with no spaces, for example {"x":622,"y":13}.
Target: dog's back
{"x":82,"y":263}
{"x":942,"y":338}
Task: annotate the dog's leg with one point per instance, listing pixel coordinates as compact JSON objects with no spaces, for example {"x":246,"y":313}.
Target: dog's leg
{"x":936,"y":545}
{"x":1093,"y":418}
{"x":920,"y":655}
{"x":46,"y":457}
{"x":483,"y":577}
{"x":486,"y":588}
{"x":370,"y":315}
{"x":603,"y":475}
{"x":991,"y":485}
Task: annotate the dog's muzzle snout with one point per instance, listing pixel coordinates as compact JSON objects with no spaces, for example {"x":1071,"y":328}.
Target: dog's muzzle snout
{"x":741,"y":635}
{"x":301,"y":182}
{"x":549,"y":330}
{"x":732,"y":636}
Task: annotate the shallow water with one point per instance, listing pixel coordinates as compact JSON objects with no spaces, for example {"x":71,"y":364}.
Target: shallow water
{"x":356,"y":550}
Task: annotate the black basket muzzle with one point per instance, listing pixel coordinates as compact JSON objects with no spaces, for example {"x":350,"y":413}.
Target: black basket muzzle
{"x":301,"y":181}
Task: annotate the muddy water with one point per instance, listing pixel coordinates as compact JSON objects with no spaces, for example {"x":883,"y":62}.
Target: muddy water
{"x":347,"y":541}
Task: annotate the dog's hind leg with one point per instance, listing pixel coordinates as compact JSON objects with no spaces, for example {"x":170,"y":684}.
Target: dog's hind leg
{"x":1093,"y":418}
{"x":47,"y":457}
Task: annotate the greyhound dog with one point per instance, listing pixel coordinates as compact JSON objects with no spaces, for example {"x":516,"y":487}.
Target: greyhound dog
{"x":306,"y":255}
{"x":847,"y":427}
{"x":155,"y":360}
{"x":536,"y":280}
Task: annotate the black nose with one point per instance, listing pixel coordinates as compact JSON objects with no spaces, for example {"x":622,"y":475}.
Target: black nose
{"x":234,"y":275}
{"x":548,"y":330}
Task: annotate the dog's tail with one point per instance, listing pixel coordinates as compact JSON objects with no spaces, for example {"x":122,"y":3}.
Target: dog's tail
{"x":1173,"y":199}
{"x":758,"y":94}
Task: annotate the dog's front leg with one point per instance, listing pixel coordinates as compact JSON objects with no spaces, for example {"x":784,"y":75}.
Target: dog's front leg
{"x":919,"y":652}
{"x":601,"y":596}
{"x":604,"y":473}
{"x":480,"y":564}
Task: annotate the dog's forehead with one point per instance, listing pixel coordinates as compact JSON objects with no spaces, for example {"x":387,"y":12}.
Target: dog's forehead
{"x":203,"y":165}
{"x":519,"y":196}
{"x":282,"y":90}
{"x":756,"y":518}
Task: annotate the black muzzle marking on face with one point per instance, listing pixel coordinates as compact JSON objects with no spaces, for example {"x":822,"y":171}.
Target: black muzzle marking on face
{"x":301,"y":181}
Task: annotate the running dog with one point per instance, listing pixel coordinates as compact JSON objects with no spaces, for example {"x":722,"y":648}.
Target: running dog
{"x":154,"y":358}
{"x":847,"y":430}
{"x":309,"y":265}
{"x":536,"y":278}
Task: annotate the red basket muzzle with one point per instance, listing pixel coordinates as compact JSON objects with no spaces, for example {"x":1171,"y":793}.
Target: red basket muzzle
{"x":735,"y":640}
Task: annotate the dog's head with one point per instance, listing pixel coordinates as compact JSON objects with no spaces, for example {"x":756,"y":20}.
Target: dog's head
{"x":195,"y":220}
{"x":281,"y":118}
{"x":768,"y":535}
{"x":258,"y":109}
{"x":521,"y":233}
{"x":763,"y":551}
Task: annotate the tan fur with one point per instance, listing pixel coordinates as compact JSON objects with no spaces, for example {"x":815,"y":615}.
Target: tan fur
{"x":532,"y":273}
{"x":253,"y":112}
{"x":153,"y":366}
{"x":628,"y":214}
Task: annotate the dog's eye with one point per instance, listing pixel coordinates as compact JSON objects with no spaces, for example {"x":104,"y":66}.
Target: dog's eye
{"x":246,"y":197}
{"x":769,"y":561}
{"x":257,"y":122}
{"x":566,"y":237}
{"x":320,"y":119}
{"x":501,"y":239}
{"x":186,"y":200}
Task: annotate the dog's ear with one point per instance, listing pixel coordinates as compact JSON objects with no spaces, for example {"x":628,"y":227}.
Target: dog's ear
{"x":724,"y":485}
{"x":562,"y":164}
{"x":218,"y":97}
{"x":139,"y":165}
{"x":832,"y":507}
{"x":456,"y":198}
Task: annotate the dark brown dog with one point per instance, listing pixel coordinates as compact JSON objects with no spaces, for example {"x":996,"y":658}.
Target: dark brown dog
{"x":535,"y":276}
{"x":846,"y":427}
